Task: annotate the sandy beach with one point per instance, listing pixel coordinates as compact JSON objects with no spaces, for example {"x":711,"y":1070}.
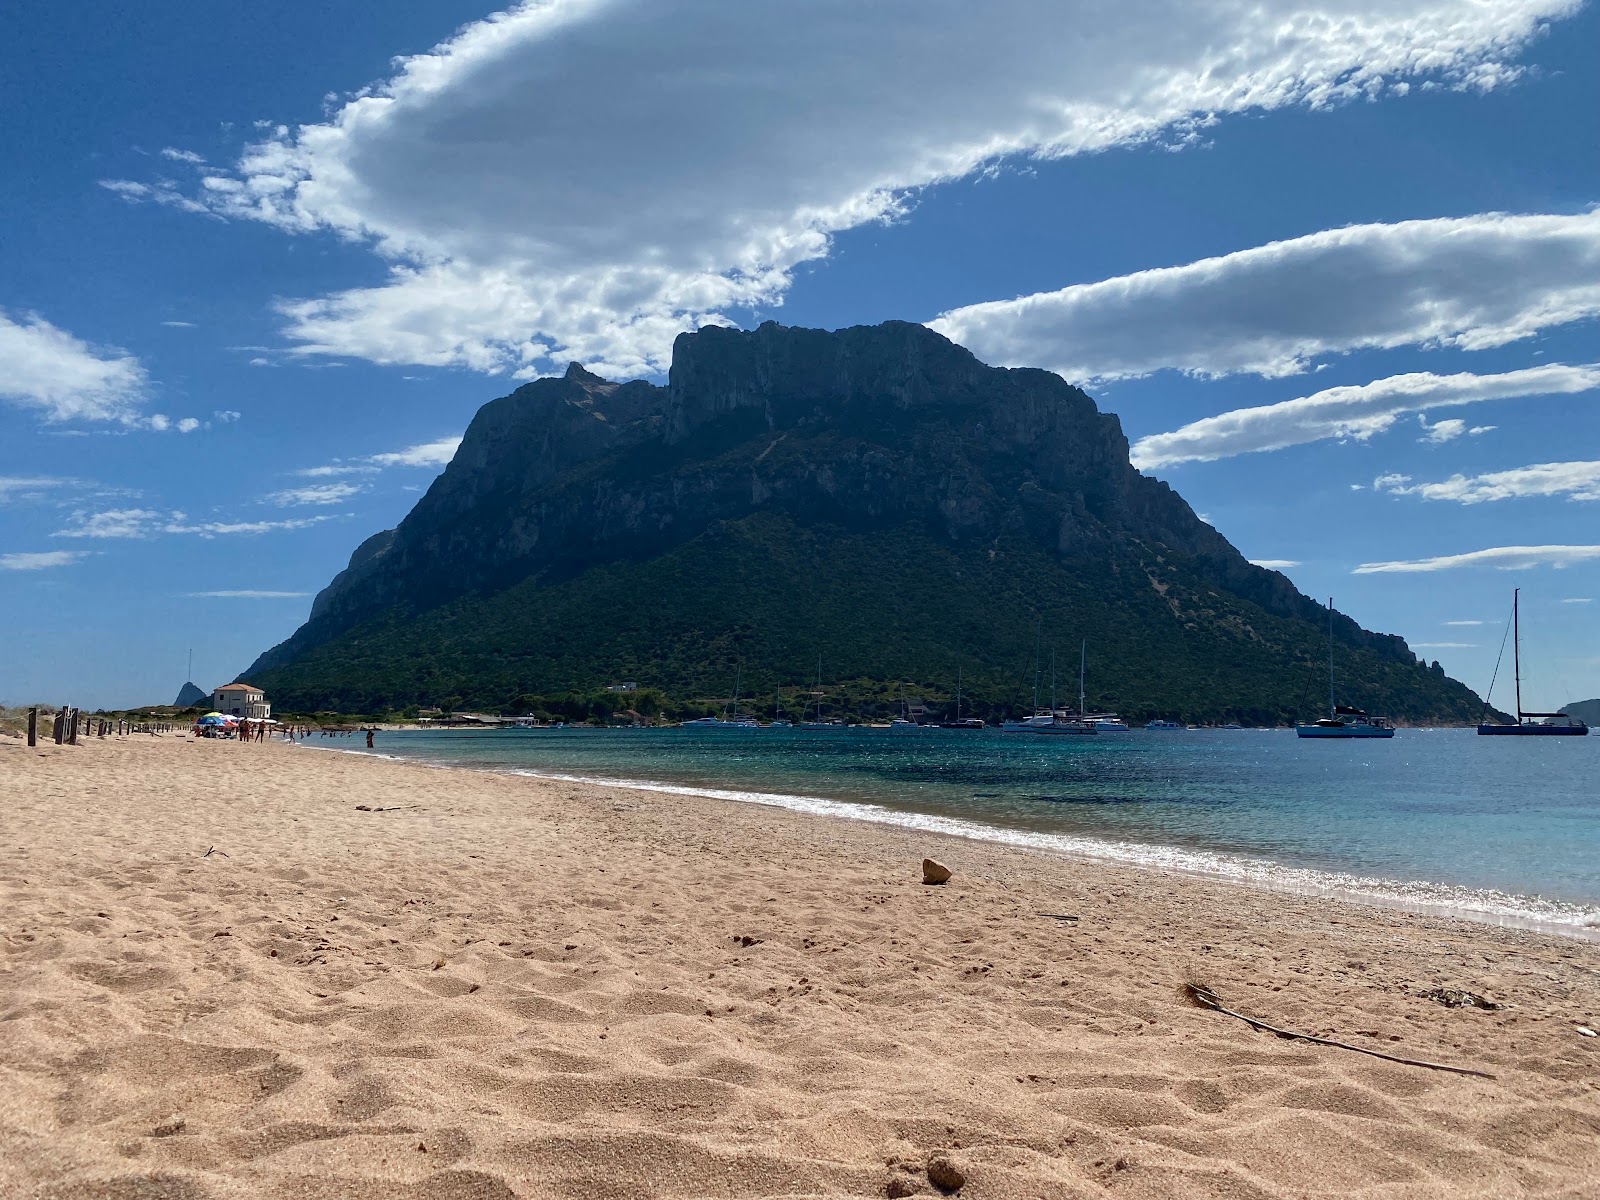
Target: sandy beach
{"x":257,"y":971}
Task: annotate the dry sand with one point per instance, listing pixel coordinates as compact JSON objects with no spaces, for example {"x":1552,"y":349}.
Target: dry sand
{"x":511,"y":987}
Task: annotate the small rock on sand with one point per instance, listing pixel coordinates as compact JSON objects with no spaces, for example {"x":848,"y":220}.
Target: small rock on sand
{"x":900,"y":1186}
{"x":173,"y":1124}
{"x":944,"y":1174}
{"x":934,"y":871}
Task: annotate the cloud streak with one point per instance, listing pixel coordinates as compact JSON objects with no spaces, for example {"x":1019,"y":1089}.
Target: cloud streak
{"x":1356,"y":412}
{"x":247,"y":594}
{"x":139,"y":523}
{"x":1506,"y":558}
{"x":39,"y":561}
{"x":1575,"y":480}
{"x":1473,"y":283}
{"x":587,"y":178}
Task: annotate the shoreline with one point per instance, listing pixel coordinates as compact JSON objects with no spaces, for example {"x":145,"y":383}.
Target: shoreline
{"x":1481,"y":906}
{"x":238,"y":971}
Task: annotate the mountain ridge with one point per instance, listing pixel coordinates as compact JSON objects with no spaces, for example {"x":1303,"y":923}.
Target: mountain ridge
{"x":806,"y":437}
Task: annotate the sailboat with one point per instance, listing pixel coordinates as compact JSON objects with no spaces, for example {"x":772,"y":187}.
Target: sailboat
{"x":730,"y":718}
{"x":1051,"y":721}
{"x":958,"y":722}
{"x":1342,"y":721}
{"x":1546,"y":724}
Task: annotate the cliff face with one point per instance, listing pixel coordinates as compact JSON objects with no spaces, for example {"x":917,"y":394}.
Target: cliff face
{"x":849,"y":434}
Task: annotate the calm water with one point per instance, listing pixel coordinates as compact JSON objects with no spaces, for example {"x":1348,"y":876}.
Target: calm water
{"x":1497,"y":828}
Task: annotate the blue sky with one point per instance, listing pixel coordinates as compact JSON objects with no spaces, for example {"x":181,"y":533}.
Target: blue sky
{"x":1335,"y":264}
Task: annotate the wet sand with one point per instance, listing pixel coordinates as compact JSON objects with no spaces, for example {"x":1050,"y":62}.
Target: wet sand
{"x":502,"y":986}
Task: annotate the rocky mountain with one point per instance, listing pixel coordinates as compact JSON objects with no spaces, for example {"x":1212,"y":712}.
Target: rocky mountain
{"x":1587,"y":711}
{"x":875,"y":497}
{"x":190,"y":695}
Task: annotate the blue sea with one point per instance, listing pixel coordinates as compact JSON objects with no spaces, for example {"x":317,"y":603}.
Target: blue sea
{"x":1432,"y":820}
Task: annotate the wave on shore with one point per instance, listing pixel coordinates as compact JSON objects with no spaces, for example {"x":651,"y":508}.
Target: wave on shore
{"x":1479,"y":904}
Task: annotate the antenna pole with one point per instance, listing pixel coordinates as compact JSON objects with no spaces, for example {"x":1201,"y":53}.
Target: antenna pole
{"x":1333,"y":709}
{"x":1516,"y":646}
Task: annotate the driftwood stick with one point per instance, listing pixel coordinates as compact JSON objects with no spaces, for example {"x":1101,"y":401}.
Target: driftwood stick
{"x":1206,"y":998}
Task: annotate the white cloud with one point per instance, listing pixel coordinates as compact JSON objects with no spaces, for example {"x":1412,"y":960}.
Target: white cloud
{"x":1575,"y":480}
{"x":1446,"y":430}
{"x":1506,"y":558}
{"x":186,"y":156}
{"x":112,"y":523}
{"x":1471,"y":282}
{"x":334,"y":469}
{"x":428,"y":454}
{"x":211,"y":529}
{"x":248,"y":594}
{"x":39,"y":561}
{"x":45,"y":368}
{"x":587,"y":178}
{"x":1355,"y":412}
{"x":24,"y":487}
{"x":188,"y":425}
{"x":135,"y":523}
{"x":320,"y":493}
{"x":225,"y":416}
{"x":1578,"y":600}
{"x":179,"y":324}
{"x":1275,"y":564}
{"x":1463,"y":623}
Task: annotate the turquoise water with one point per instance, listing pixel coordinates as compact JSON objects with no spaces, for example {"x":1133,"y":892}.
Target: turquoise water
{"x":1495,"y":828}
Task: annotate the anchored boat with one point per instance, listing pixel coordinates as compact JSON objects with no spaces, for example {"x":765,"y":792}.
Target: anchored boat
{"x":1343,"y":721}
{"x":1529,"y":724}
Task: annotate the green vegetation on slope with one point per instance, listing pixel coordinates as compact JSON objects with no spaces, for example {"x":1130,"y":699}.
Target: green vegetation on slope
{"x":893,"y":614}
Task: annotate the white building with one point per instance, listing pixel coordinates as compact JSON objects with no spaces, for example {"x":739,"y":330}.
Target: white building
{"x":242,"y":700}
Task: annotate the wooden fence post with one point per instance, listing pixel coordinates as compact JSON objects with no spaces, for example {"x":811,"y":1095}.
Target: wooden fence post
{"x":72,"y":737}
{"x":33,"y":726}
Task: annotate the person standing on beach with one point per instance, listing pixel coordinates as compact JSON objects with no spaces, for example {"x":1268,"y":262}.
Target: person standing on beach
{"x":370,"y":732}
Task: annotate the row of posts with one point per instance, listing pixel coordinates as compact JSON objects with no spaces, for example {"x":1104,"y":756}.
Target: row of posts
{"x":69,"y":721}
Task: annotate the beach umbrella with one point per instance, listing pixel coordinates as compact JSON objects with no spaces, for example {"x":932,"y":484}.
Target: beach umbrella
{"x":212,"y":719}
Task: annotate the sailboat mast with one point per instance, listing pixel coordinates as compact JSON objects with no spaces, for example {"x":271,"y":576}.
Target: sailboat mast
{"x":1083,"y":653}
{"x":1052,"y":681}
{"x":1333,"y":709}
{"x":1516,"y":646}
{"x":958,"y":693}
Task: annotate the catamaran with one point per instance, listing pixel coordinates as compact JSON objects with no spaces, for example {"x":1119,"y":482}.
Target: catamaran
{"x":1343,"y":721}
{"x":1556,"y":724}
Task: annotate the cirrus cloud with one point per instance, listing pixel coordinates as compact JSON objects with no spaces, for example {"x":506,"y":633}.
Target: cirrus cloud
{"x":1575,"y":480}
{"x":39,"y":560}
{"x":1357,"y":412}
{"x":1506,"y":558}
{"x":587,"y":178}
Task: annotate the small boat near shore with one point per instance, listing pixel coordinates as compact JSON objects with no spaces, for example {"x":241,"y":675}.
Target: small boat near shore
{"x":1529,"y":724}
